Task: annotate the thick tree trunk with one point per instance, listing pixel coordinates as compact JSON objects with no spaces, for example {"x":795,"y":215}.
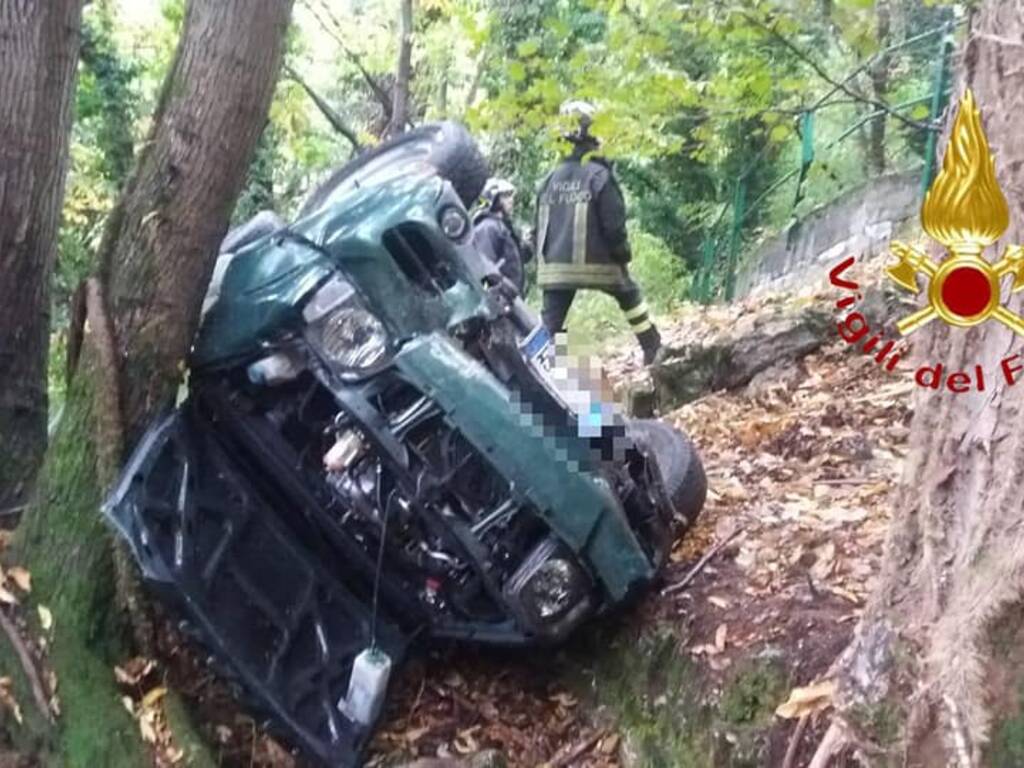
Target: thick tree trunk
{"x":156,"y":260}
{"x":403,"y":72}
{"x":39,"y":43}
{"x":158,"y":254}
{"x":936,"y":660}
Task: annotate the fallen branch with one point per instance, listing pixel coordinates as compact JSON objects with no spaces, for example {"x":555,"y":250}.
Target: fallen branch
{"x":794,"y":741}
{"x":29,"y":667}
{"x":680,"y":585}
{"x":831,"y":744}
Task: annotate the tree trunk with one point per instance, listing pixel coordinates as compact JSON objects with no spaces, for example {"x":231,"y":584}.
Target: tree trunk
{"x":935,"y":665}
{"x":880,"y":89}
{"x":403,"y":72}
{"x":39,"y":45}
{"x":155,"y":260}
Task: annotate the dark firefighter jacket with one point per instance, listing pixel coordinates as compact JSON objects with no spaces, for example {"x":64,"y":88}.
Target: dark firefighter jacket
{"x":581,"y":226}
{"x":495,"y":238}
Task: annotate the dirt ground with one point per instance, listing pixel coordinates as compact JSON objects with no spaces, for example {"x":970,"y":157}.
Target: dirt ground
{"x":800,"y":467}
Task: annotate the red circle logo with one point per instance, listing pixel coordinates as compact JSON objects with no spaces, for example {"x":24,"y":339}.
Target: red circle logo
{"x":966,"y":291}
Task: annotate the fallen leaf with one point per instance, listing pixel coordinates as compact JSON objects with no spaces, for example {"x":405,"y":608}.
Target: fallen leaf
{"x":609,"y":744}
{"x":718,"y":602}
{"x":151,"y":698}
{"x":565,"y":699}
{"x":807,"y":700}
{"x":45,"y":617}
{"x":8,"y":701}
{"x":7,"y":597}
{"x":146,"y":727}
{"x":21,"y":577}
{"x":720,"y":636}
{"x":464,"y":742}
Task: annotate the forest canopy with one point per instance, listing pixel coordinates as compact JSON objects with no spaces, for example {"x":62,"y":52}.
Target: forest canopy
{"x":691,"y":97}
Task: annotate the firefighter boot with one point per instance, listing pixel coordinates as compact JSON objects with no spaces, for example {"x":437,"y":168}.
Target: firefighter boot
{"x":650,"y":343}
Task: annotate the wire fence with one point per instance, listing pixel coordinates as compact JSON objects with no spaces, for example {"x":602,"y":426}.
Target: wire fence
{"x":736,"y":223}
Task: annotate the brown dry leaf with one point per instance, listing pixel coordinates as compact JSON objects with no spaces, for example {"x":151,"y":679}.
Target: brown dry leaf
{"x":21,"y":577}
{"x":720,"y":637}
{"x":807,"y":700}
{"x":565,"y":699}
{"x":134,"y":671}
{"x":153,"y":696}
{"x":825,"y":562}
{"x":174,"y":754}
{"x":146,"y":727}
{"x":7,"y":597}
{"x":718,"y":602}
{"x":609,"y":744}
{"x":413,"y":735}
{"x":464,"y":742}
{"x":8,"y":701}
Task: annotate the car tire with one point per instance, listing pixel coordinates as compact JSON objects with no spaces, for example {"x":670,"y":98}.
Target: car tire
{"x":445,"y":147}
{"x":680,"y":466}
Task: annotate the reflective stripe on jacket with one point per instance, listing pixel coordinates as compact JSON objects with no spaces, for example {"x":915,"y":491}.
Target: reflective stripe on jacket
{"x":581,"y":227}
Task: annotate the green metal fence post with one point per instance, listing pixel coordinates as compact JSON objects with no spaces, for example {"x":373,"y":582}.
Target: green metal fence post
{"x":938,"y":104}
{"x":806,"y":153}
{"x":739,"y":201}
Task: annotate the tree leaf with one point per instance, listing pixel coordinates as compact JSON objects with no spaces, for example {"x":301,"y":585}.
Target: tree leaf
{"x":807,"y":700}
{"x":21,"y":577}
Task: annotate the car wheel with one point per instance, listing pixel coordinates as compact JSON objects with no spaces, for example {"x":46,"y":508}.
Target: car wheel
{"x":680,"y":466}
{"x":446,"y":149}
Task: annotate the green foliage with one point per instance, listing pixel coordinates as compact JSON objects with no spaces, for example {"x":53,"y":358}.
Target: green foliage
{"x":753,"y":693}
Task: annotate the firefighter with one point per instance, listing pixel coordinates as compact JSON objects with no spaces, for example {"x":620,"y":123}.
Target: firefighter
{"x":581,"y":235}
{"x":494,"y":234}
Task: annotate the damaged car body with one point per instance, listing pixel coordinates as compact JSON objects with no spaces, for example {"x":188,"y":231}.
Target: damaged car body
{"x":376,"y":442}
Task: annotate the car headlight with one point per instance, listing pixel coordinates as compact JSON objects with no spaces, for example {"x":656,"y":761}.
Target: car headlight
{"x":549,"y":593}
{"x":353,"y":338}
{"x":454,"y":222}
{"x":344,"y":333}
{"x":551,"y":589}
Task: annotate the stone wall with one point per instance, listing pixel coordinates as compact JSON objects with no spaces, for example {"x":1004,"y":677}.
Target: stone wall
{"x":860,"y":222}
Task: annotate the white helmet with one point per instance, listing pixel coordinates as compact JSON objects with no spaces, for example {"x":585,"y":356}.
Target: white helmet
{"x":582,"y":113}
{"x":495,"y":188}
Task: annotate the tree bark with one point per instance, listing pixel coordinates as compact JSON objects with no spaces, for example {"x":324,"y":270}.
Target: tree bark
{"x":39,"y":44}
{"x":935,"y":655}
{"x":403,"y":71}
{"x":155,"y":262}
{"x":158,"y":253}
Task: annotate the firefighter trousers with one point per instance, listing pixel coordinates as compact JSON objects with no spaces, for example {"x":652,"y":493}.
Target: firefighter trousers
{"x":558,"y":301}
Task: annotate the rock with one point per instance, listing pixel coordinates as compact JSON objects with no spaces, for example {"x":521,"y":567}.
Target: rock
{"x":490,"y":758}
{"x":778,"y":340}
{"x":735,"y":357}
{"x":640,"y":399}
{"x":684,"y":378}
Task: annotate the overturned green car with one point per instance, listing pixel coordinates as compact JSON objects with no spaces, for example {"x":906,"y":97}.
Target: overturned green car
{"x":378,"y":443}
